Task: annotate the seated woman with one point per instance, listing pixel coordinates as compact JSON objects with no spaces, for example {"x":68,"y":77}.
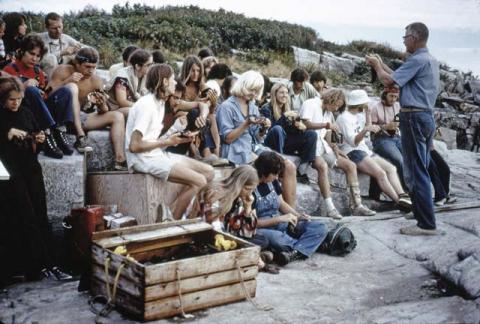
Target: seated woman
{"x":242,"y":129}
{"x":25,"y":232}
{"x":146,"y":151}
{"x":354,"y":129}
{"x":192,"y":76}
{"x":387,"y":144}
{"x":15,"y":31}
{"x":288,"y":133}
{"x":230,"y":202}
{"x":52,"y":110}
{"x":128,"y":85}
{"x":289,"y":231}
{"x":318,"y":116}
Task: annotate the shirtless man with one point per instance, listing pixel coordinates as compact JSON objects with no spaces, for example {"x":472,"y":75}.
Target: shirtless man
{"x":87,"y":92}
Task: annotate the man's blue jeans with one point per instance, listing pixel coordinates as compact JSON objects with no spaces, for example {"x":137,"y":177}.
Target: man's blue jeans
{"x":417,"y":130}
{"x":312,"y":234}
{"x":303,"y":144}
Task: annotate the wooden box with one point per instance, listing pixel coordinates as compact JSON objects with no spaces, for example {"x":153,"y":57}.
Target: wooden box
{"x":148,"y":291}
{"x":136,"y":194}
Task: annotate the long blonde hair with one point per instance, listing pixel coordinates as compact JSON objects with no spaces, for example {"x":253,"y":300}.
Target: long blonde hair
{"x":227,"y":190}
{"x":277,"y":108}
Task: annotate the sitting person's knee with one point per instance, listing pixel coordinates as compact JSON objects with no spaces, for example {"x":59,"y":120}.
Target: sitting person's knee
{"x":289,"y":167}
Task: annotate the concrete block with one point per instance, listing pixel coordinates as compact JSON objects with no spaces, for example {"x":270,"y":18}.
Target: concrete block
{"x":64,"y":184}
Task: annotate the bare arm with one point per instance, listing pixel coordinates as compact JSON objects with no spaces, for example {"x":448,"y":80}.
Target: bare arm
{"x":384,"y":75}
{"x":121,"y":97}
{"x":237,"y":132}
{"x":138,"y":145}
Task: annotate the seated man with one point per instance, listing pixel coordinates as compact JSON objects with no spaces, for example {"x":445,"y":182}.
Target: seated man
{"x":291,"y":232}
{"x":127,"y":51}
{"x":299,"y":89}
{"x":87,"y":93}
{"x":146,"y":149}
{"x":58,"y":44}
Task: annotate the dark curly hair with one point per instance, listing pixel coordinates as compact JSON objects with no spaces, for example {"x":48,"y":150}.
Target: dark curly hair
{"x":268,"y":163}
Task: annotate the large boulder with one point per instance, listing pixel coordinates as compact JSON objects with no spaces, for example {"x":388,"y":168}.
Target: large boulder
{"x":331,"y":62}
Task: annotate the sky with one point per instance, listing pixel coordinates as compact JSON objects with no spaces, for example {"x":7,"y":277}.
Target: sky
{"x":454,"y":24}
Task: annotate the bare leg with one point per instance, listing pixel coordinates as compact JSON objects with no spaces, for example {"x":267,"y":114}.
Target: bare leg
{"x":323,"y":183}
{"x":116,"y":121}
{"x":124,"y":111}
{"x":349,"y":168}
{"x":189,"y":173}
{"x":370,"y":167}
{"x":289,"y":182}
{"x":392,"y":174}
{"x":76,"y":109}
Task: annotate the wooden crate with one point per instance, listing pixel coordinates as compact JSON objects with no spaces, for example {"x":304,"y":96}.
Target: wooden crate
{"x":136,"y":194}
{"x":150,"y":291}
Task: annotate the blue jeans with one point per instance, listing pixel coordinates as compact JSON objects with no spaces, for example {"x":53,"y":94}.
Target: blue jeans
{"x":302,"y":144}
{"x":312,"y":234}
{"x":417,"y":130}
{"x":60,"y":104}
{"x":34,"y":101}
{"x":440,"y":173}
{"x":390,"y":148}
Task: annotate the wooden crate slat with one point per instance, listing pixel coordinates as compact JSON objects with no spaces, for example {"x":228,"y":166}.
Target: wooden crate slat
{"x":203,"y":282}
{"x":133,"y":270}
{"x":198,"y":300}
{"x":197,"y":266}
{"x":128,"y":286}
{"x":149,"y":235}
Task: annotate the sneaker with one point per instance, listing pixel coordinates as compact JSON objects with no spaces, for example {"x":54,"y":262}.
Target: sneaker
{"x":404,"y":201}
{"x":120,"y":166}
{"x":362,"y":210}
{"x":63,"y":142}
{"x":440,"y":202}
{"x":333,"y":213}
{"x":414,"y":230}
{"x":81,"y":144}
{"x":409,"y":215}
{"x":60,"y":275}
{"x":451,"y":200}
{"x":51,"y":149}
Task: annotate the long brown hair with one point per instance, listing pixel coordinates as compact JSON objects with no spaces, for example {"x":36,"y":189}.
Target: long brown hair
{"x":277,"y":108}
{"x":187,"y":66}
{"x":155,"y":76}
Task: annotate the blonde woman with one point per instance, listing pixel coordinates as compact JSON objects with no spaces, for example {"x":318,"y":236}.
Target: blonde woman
{"x":230,"y":201}
{"x":354,"y":127}
{"x":242,"y":129}
{"x":288,"y":134}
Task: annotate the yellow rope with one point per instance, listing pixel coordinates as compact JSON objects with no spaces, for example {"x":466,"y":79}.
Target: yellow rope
{"x":179,"y":289}
{"x":107,"y":265}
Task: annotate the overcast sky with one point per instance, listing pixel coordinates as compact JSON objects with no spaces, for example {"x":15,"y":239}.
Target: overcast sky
{"x":454,"y":24}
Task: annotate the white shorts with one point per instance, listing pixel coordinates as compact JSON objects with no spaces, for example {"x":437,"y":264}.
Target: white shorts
{"x":158,"y":166}
{"x":330,"y":158}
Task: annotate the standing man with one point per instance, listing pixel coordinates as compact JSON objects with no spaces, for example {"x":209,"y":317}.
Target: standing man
{"x":418,"y":79}
{"x":58,"y":44}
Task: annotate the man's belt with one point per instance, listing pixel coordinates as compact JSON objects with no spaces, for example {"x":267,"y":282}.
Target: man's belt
{"x":413,"y":109}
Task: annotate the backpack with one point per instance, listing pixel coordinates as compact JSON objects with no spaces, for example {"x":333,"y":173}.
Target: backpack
{"x":339,"y":241}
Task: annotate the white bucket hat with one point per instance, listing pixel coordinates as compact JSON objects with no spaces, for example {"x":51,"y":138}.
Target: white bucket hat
{"x":357,"y":97}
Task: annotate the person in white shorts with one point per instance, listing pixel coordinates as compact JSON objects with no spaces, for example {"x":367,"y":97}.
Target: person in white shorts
{"x":318,"y":115}
{"x":145,"y":149}
{"x":354,"y":125}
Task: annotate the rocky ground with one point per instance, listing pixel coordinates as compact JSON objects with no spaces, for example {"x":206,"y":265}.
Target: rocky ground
{"x":389,"y":278}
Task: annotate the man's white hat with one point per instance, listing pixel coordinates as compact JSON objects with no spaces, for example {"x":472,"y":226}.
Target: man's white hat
{"x":357,"y":97}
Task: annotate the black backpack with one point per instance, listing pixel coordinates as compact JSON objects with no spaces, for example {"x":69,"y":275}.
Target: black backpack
{"x":339,"y":241}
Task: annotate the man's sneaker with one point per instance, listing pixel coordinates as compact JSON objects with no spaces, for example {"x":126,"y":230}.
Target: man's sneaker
{"x":450,"y":200}
{"x":440,"y":202}
{"x":81,"y":144}
{"x":362,"y":210}
{"x":51,"y":149}
{"x":121,"y":166}
{"x":333,"y":213}
{"x":404,"y":201}
{"x":415,"y":230}
{"x":60,"y":275}
{"x":63,"y":142}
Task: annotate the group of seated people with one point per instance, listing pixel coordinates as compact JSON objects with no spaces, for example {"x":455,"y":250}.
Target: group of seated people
{"x":170,"y":126}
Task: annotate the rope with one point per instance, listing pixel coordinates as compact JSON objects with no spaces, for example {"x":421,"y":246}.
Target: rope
{"x":109,"y":300}
{"x":247,"y":295}
{"x":179,"y":289}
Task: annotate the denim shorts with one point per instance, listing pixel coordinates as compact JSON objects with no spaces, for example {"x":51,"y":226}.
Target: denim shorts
{"x":357,"y":156}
